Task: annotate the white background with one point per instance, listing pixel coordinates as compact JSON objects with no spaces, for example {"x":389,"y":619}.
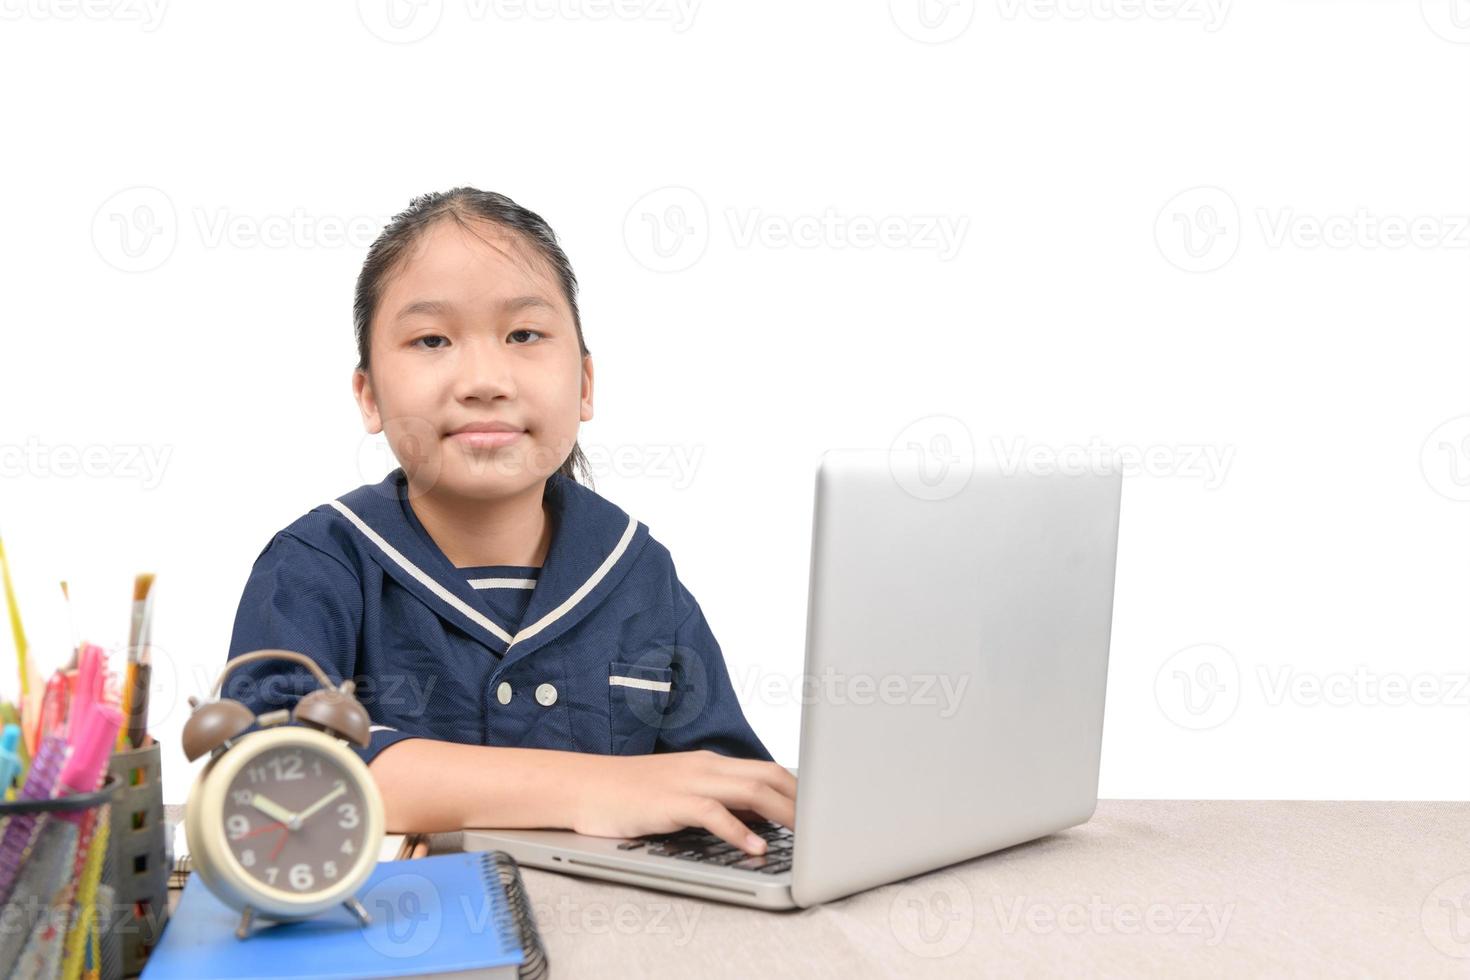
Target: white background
{"x":1132,"y":194}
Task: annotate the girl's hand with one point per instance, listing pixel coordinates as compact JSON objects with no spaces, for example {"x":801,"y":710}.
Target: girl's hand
{"x":632,"y":795}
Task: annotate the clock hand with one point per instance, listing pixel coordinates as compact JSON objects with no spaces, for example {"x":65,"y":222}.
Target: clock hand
{"x":272,"y":809}
{"x":301,"y":817}
{"x":263,"y":828}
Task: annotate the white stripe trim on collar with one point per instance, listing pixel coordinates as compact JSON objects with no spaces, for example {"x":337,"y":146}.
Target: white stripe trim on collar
{"x":586,"y":587}
{"x":423,"y":577}
{"x":502,"y":583}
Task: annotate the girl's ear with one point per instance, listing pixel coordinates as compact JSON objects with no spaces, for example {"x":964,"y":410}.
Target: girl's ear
{"x":587,"y":388}
{"x":367,"y":404}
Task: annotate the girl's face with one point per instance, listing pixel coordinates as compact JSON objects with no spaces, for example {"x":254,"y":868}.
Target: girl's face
{"x":472,"y":328}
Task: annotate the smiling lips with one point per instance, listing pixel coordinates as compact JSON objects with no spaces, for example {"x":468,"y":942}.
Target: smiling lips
{"x":486,"y":435}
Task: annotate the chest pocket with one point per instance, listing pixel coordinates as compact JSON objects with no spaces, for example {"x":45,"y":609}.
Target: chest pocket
{"x":637,"y":697}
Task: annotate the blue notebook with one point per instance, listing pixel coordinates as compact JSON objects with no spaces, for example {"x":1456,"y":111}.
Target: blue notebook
{"x":447,"y":914}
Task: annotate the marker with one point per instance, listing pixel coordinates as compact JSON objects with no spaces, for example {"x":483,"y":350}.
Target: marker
{"x":9,"y":758}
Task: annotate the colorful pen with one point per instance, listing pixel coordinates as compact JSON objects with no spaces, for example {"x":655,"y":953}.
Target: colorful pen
{"x":54,"y":706}
{"x":9,"y":758}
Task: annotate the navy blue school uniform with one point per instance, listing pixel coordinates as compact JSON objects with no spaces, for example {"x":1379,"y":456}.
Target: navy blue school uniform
{"x":602,"y":649}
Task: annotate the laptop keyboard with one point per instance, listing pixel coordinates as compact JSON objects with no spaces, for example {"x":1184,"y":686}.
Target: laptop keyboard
{"x":697,"y":844}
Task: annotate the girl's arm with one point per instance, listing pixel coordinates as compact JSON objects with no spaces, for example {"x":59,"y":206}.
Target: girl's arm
{"x":430,"y":786}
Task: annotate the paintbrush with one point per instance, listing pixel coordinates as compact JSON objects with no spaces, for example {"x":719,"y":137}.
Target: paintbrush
{"x":30,"y":680}
{"x":71,"y":620}
{"x":142,"y":585}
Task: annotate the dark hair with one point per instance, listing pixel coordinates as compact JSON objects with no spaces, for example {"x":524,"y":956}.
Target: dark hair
{"x":462,"y":205}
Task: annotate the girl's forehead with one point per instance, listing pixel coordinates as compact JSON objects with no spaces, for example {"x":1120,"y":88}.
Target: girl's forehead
{"x":480,"y":259}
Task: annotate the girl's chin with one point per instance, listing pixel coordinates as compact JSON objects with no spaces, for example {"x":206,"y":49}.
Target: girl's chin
{"x":486,"y":474}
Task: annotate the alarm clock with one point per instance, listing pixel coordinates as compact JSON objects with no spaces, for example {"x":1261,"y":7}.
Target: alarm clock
{"x":283,"y":822}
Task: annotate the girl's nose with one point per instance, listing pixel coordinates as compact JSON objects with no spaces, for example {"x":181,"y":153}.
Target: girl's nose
{"x":485,"y":372}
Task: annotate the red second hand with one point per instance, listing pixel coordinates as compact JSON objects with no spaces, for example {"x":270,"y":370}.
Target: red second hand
{"x":263,"y":828}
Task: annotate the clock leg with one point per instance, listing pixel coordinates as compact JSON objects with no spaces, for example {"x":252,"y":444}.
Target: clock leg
{"x":355,"y":907}
{"x":243,"y":929}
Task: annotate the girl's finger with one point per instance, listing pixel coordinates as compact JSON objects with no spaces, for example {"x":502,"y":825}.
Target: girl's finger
{"x":775,"y":776}
{"x":711,"y":814}
{"x":759,"y":798}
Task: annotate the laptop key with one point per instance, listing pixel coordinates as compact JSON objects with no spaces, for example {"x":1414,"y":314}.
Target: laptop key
{"x":753,"y":863}
{"x":631,"y":845}
{"x":775,"y":867}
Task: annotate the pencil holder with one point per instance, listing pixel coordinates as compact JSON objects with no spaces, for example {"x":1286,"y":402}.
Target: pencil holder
{"x":30,"y":856}
{"x":140,"y":859}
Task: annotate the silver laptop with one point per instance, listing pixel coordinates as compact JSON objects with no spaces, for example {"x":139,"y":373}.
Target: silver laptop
{"x":957,"y":650}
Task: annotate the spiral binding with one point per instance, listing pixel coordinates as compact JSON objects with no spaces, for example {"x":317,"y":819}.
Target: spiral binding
{"x":515,"y":919}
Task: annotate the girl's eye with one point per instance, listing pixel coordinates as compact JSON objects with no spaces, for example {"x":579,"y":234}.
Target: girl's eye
{"x":429,"y":337}
{"x":517,"y":333}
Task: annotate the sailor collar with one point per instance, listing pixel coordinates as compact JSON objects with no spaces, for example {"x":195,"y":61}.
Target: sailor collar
{"x":593,"y":544}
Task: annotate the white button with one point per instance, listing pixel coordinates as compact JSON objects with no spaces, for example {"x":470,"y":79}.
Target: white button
{"x":502,"y":693}
{"x":546,"y":695}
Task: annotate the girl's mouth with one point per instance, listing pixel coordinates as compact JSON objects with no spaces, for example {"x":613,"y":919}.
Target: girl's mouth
{"x":485,"y":440}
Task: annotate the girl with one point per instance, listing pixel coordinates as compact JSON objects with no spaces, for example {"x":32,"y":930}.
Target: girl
{"x":525,"y":649}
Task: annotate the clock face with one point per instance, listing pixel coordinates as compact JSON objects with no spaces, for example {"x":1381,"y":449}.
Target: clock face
{"x":296,"y":820}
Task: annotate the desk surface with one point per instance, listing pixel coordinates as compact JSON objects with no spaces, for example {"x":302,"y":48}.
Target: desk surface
{"x":1168,"y":887}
